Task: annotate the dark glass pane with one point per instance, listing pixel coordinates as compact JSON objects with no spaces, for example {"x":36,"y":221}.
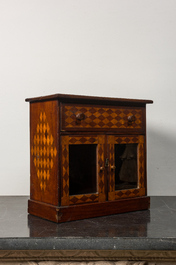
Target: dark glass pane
{"x":126,"y":166}
{"x":82,"y":169}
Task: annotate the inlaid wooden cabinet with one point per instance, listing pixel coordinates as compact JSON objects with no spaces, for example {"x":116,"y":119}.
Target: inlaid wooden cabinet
{"x":87,"y":156}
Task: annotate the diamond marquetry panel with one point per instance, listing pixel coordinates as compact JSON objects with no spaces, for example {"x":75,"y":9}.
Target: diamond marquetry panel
{"x":101,"y":164}
{"x":141,"y":166}
{"x":127,"y":140}
{"x":83,"y":140}
{"x":65,"y":170}
{"x":111,"y":172}
{"x":43,"y":151}
{"x":127,"y":193}
{"x":83,"y":198}
{"x":103,"y":118}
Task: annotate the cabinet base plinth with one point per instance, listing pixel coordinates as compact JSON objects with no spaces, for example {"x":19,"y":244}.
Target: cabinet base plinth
{"x":83,"y":211}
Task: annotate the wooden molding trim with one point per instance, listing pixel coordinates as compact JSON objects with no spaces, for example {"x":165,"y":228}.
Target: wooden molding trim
{"x":87,"y":255}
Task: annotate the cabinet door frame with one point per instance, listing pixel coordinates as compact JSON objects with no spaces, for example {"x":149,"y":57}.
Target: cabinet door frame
{"x":127,"y":193}
{"x":100,"y":195}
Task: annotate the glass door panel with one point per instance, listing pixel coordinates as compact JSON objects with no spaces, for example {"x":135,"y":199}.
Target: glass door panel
{"x":126,"y":176}
{"x":82,"y":169}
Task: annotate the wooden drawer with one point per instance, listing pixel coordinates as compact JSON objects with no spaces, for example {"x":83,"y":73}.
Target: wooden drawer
{"x":90,"y":117}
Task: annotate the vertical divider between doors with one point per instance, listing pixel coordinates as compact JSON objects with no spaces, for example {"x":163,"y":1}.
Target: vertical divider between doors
{"x":101,"y":173}
{"x":106,"y":155}
{"x":65,"y":170}
{"x":111,"y":172}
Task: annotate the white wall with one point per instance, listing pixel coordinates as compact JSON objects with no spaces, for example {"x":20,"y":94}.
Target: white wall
{"x":115,"y":48}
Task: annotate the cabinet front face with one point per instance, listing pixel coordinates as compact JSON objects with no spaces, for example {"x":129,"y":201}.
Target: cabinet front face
{"x":82,"y":169}
{"x":126,"y":166}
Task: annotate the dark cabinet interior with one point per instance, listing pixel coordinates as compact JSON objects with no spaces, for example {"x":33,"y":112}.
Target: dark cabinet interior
{"x":126,"y":157}
{"x":82,"y":169}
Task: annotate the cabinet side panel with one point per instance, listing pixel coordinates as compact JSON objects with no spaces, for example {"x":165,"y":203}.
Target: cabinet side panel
{"x":44,"y":152}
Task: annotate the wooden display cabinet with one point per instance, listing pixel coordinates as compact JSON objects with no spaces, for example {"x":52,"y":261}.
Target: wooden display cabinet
{"x":87,"y":156}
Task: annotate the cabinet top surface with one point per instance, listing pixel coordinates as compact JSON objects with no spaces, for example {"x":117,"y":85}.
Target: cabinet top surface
{"x":89,"y":99}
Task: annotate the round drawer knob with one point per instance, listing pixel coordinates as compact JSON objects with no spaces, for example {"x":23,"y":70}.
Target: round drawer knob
{"x":80,"y":116}
{"x":131,"y":118}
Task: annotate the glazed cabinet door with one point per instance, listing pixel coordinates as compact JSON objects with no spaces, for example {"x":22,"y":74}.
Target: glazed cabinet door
{"x":82,"y":169}
{"x":126,"y":167}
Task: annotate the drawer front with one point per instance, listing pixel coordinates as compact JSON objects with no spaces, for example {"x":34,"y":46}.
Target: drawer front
{"x":86,"y":117}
